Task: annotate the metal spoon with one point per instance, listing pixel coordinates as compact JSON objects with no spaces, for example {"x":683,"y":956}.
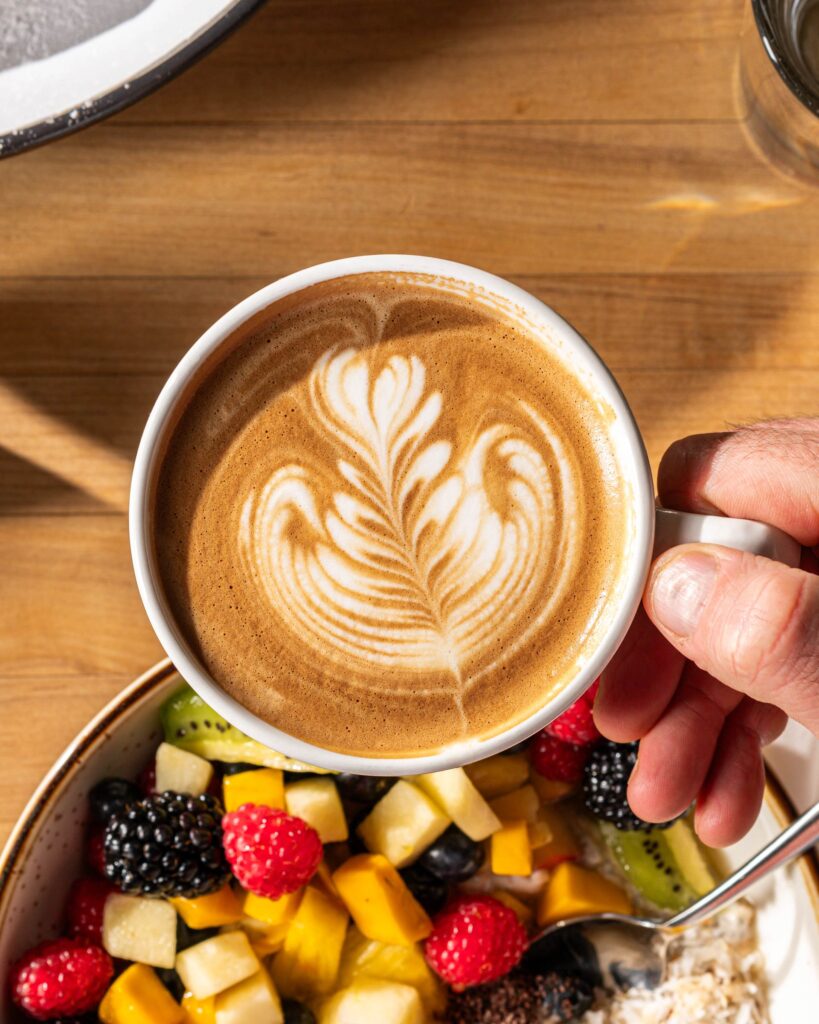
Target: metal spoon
{"x":619,"y":951}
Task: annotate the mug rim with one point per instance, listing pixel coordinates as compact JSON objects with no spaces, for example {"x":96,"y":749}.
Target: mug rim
{"x":781,"y":61}
{"x":147,"y":459}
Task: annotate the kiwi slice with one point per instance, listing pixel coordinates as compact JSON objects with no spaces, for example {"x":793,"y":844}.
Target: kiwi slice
{"x":666,"y":866}
{"x":190,"y":724}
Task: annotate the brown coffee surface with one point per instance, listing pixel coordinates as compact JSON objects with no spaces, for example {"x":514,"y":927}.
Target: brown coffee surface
{"x":389,"y":518}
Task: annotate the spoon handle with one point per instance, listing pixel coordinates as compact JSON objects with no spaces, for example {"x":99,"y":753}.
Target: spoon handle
{"x":797,"y":838}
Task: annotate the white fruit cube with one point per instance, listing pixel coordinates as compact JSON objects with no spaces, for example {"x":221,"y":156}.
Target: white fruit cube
{"x":403,"y":824}
{"x":454,"y":792}
{"x":371,"y":1001}
{"x":253,"y":1000}
{"x":139,"y":929}
{"x":215,"y":964}
{"x":317,"y":802}
{"x":181,"y":771}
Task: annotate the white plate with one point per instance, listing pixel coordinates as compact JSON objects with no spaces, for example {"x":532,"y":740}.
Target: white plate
{"x":44,"y":852}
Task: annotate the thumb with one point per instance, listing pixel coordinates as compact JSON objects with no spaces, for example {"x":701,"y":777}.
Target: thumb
{"x":750,"y":622}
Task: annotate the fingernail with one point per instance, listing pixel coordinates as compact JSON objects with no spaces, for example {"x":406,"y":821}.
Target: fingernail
{"x":680,"y":590}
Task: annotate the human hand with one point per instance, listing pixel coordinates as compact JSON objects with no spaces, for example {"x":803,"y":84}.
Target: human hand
{"x":726,"y":647}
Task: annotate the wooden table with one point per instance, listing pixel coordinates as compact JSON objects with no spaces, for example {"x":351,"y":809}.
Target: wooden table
{"x":588,"y":149}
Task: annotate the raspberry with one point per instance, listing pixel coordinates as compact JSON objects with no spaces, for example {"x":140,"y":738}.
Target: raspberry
{"x":86,"y":904}
{"x":146,"y":780}
{"x":271,"y":852}
{"x":474,"y":940}
{"x":556,"y":760}
{"x":60,"y":978}
{"x":95,"y":850}
{"x":576,"y":724}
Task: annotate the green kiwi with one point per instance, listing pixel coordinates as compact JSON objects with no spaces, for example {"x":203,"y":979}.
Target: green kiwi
{"x":666,"y":866}
{"x":190,"y":724}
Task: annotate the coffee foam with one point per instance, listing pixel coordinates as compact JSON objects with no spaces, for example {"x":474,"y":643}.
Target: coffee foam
{"x":388,"y":520}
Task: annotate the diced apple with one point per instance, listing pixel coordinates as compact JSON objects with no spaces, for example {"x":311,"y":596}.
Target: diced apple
{"x":497,"y":775}
{"x":253,"y":1001}
{"x":211,"y":966}
{"x":317,"y":802}
{"x":380,"y":902}
{"x":181,"y":771}
{"x":403,"y":824}
{"x":510,"y":853}
{"x":454,"y":793}
{"x":262,"y":786}
{"x":367,"y":958}
{"x":137,"y":996}
{"x":561,"y":846}
{"x":520,"y":804}
{"x":573,"y":891}
{"x":211,"y":911}
{"x":307,"y":964}
{"x":139,"y":929}
{"x":372,"y":1001}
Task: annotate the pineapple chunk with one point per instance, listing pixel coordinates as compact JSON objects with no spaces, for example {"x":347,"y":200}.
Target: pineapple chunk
{"x":307,"y":964}
{"x":573,"y":891}
{"x":199,"y":1011}
{"x":211,"y":911}
{"x":264,"y":786}
{"x":500,"y":774}
{"x":525,"y":914}
{"x":366,"y":958}
{"x":317,"y":802}
{"x":402,"y":824}
{"x":562,"y":844}
{"x":211,"y":966}
{"x":455,"y":794}
{"x":372,"y":1001}
{"x":510,"y":850}
{"x":181,"y":771}
{"x":380,"y":902}
{"x":253,"y":1001}
{"x":137,"y":996}
{"x":520,"y":803}
{"x":139,"y":929}
{"x":551,"y":790}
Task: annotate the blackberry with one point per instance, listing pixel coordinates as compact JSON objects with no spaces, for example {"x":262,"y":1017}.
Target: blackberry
{"x":430,"y":891}
{"x":111,"y":796}
{"x":167,"y":845}
{"x":605,"y":779}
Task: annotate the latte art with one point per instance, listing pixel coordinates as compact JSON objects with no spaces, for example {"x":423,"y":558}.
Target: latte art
{"x":388,"y":518}
{"x":404,"y":561}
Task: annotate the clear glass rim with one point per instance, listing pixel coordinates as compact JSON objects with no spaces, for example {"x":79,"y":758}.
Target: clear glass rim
{"x":781,"y":59}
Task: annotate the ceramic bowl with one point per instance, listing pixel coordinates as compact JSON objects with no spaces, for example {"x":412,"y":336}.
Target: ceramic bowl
{"x":44,"y":852}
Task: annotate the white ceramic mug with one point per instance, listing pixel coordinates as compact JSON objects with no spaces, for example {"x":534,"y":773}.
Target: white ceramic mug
{"x":654,"y":530}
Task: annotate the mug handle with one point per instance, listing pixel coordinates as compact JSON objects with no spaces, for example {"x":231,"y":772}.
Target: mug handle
{"x":672,"y":528}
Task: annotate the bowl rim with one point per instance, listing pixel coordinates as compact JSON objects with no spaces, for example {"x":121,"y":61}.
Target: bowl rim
{"x":145,"y":686}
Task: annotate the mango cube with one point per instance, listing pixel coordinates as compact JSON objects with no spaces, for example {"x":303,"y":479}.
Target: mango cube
{"x":137,"y":996}
{"x":551,"y":790}
{"x":272,"y":912}
{"x":211,"y":911}
{"x":199,"y":1011}
{"x":510,"y":853}
{"x":373,"y":1001}
{"x":379,"y":901}
{"x":499,"y":774}
{"x":211,"y":966}
{"x":403,"y":824}
{"x":573,"y":891}
{"x":307,"y":964}
{"x":181,"y":771}
{"x":253,"y":1001}
{"x":454,"y":793}
{"x":317,"y":802}
{"x":561,"y":846}
{"x":525,"y":914}
{"x":264,"y":786}
{"x":521,"y":803}
{"x":367,"y":958}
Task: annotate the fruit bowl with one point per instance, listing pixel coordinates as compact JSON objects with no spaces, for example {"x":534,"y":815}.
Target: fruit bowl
{"x":45,"y":850}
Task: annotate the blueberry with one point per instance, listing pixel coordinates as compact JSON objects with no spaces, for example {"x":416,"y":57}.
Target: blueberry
{"x":296,"y":1013}
{"x":172,"y":982}
{"x":568,"y":952}
{"x":363,"y":789}
{"x":186,"y":936}
{"x":454,"y":857}
{"x":431,"y":892}
{"x":110,"y":796}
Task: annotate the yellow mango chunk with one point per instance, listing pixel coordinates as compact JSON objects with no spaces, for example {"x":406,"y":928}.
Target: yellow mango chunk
{"x":263,"y":786}
{"x":510,"y":853}
{"x":498,"y":775}
{"x":525,"y":914}
{"x":551,"y":790}
{"x":210,"y":911}
{"x":573,"y":891}
{"x":307,"y":964}
{"x":380,"y":902}
{"x":521,"y":803}
{"x":561,"y":846}
{"x":280,"y":911}
{"x":199,"y":1011}
{"x":139,"y":997}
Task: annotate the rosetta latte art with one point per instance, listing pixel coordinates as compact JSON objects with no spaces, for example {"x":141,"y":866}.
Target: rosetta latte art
{"x":402,"y":555}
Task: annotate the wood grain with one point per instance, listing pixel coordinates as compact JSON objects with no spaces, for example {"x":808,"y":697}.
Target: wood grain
{"x":589,"y":149}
